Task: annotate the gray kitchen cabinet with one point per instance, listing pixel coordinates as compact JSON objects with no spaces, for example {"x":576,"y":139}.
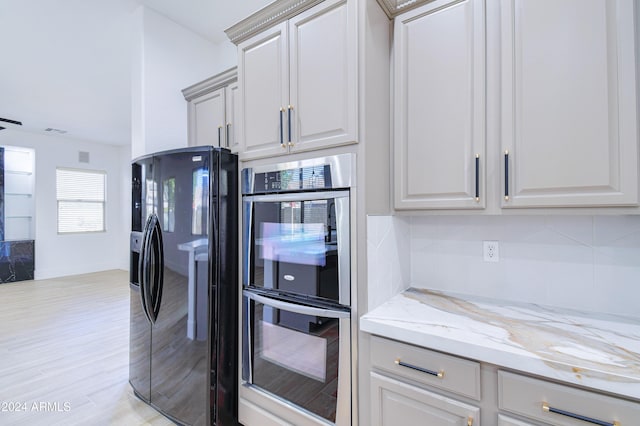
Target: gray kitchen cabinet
{"x":560,"y":105}
{"x":431,"y":368}
{"x":561,"y":405}
{"x":569,"y":122}
{"x":231,"y":115}
{"x":397,"y":403}
{"x":408,"y":385}
{"x":404,"y":386}
{"x":211,"y":110}
{"x":439,"y":112}
{"x":298,"y":83}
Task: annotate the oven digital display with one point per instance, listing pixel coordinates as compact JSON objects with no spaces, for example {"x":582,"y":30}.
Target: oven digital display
{"x":316,"y":177}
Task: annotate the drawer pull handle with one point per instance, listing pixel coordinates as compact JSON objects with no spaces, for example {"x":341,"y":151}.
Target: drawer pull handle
{"x":477,"y":197}
{"x":438,"y":374}
{"x":545,"y":407}
{"x":506,"y":175}
{"x":290,"y":108}
{"x":469,"y":421}
{"x":282,"y":144}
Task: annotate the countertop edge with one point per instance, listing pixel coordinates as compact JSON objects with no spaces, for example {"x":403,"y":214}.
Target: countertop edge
{"x":627,"y":387}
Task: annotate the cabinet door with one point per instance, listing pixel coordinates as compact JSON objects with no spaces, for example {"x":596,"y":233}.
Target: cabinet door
{"x":263,"y":74}
{"x":324,"y":86}
{"x":232,"y":114}
{"x":207,"y":119}
{"x":569,"y":103}
{"x":439,"y":115}
{"x":397,"y":403}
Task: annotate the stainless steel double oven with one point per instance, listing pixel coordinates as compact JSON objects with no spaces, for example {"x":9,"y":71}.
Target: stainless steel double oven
{"x":297,"y":284}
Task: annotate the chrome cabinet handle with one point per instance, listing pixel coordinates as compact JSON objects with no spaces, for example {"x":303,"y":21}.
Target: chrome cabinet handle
{"x":548,"y":409}
{"x":438,"y":374}
{"x":289,"y":123}
{"x":227,"y":139}
{"x":506,"y":175}
{"x":220,"y":136}
{"x":282,"y":144}
{"x":477,"y":178}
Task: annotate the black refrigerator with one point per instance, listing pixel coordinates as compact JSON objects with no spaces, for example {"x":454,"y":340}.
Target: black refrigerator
{"x":184,"y":284}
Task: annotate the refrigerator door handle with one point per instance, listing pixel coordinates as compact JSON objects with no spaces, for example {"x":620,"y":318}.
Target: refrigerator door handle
{"x":143,"y":268}
{"x":158,"y":276}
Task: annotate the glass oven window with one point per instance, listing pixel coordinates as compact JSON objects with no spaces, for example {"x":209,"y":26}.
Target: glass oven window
{"x":295,"y":247}
{"x":296,"y":357}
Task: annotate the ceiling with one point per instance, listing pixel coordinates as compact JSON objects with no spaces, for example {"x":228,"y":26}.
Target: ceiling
{"x":67,"y":64}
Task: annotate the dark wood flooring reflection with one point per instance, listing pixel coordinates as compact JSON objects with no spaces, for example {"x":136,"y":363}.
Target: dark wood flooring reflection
{"x":179,"y":364}
{"x":317,"y":396}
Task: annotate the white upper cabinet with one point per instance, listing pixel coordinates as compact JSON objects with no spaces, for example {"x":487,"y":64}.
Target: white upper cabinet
{"x":552,"y":82}
{"x":211,"y":110}
{"x":439,"y":117}
{"x":231,"y":115}
{"x":207,"y":116}
{"x":568,"y":100}
{"x":298,"y":85}
{"x":323,"y":85}
{"x":263,"y":72}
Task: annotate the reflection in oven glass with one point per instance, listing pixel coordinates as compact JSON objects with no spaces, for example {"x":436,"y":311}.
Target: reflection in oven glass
{"x":300,"y":367}
{"x":294,"y":248}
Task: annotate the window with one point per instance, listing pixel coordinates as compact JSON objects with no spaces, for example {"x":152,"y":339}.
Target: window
{"x":199,"y":225}
{"x":169,"y":205}
{"x":81,"y":198}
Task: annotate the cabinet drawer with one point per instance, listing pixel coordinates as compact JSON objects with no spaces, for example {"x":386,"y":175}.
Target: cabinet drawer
{"x":397,"y":403}
{"x":432,"y":368}
{"x":508,"y":421}
{"x":556,"y":404}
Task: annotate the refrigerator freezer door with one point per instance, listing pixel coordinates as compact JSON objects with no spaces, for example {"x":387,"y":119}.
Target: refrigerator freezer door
{"x":142,"y":201}
{"x":179,"y":367}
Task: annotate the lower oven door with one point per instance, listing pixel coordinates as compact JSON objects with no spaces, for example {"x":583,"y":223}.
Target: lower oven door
{"x":310,"y":369}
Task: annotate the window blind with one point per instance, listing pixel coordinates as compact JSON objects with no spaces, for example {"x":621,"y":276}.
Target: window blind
{"x":81,"y":196}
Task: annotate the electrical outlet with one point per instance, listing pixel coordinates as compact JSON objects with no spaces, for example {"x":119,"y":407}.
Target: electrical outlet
{"x":491,"y":251}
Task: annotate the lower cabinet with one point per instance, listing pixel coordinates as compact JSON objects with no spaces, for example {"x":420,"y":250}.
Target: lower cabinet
{"x":397,"y":403}
{"x":409,"y":383}
{"x":562,"y":405}
{"x":412,"y":385}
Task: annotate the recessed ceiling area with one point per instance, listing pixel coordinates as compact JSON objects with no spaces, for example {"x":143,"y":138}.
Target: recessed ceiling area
{"x":67,"y":64}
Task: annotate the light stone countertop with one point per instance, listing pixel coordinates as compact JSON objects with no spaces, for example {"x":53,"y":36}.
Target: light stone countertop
{"x":593,"y":350}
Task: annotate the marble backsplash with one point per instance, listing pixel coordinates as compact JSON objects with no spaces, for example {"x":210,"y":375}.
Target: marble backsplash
{"x":589,"y":263}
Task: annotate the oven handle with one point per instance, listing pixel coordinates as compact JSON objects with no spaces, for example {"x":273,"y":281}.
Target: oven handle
{"x":292,"y":307}
{"x":299,"y":196}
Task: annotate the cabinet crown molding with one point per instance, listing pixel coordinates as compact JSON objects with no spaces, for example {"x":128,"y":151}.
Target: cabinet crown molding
{"x":210,"y":84}
{"x":272,"y":14}
{"x":394,"y":8}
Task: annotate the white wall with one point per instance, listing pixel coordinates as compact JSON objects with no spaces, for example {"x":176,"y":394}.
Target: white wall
{"x":167,"y":58}
{"x":124,"y":154}
{"x":59,"y":255}
{"x":590,"y":263}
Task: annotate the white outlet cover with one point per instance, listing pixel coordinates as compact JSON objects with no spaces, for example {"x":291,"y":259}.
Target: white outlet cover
{"x":491,"y":251}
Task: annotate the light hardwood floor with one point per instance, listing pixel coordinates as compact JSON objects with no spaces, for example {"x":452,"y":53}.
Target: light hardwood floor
{"x":64,"y":353}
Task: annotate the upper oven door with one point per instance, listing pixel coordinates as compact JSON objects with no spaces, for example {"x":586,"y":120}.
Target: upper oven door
{"x":298,"y":244}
